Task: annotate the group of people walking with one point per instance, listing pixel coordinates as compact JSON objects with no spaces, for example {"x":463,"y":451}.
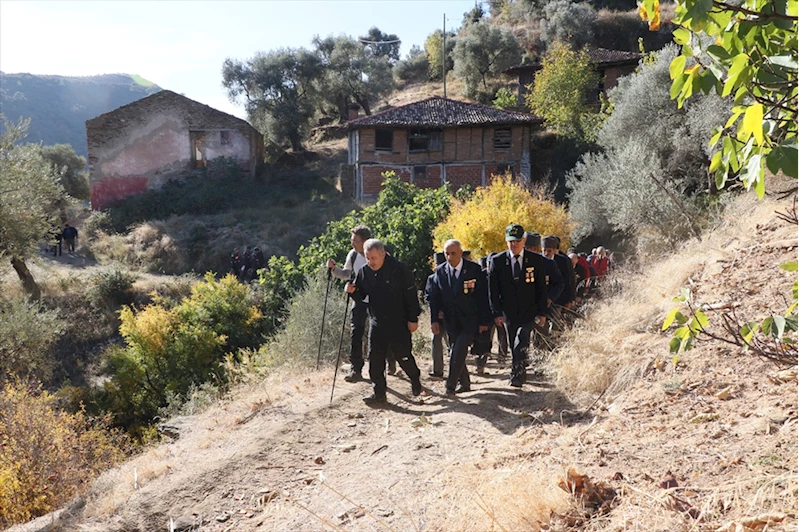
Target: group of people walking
{"x":513,"y":292}
{"x":63,"y":238}
{"x":245,"y":266}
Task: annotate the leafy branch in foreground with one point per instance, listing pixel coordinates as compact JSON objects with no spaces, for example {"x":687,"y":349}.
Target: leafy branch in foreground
{"x":767,"y":338}
{"x":747,"y":50}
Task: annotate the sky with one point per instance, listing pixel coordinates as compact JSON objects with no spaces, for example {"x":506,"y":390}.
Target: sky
{"x":180,"y":44}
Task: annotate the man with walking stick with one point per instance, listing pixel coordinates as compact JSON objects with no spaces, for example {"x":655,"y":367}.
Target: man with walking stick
{"x":394,"y":314}
{"x":352,"y":265}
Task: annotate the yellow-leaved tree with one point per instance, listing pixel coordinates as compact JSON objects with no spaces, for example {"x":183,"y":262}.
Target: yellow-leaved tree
{"x":479,"y":222}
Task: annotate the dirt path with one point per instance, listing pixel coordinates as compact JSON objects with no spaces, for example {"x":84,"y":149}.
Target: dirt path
{"x":295,"y":452}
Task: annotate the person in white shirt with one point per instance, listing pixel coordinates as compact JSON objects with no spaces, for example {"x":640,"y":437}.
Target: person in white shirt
{"x":354,"y":262}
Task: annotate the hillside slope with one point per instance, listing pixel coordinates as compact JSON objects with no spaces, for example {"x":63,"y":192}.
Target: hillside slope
{"x":702,"y":442}
{"x":59,"y":106}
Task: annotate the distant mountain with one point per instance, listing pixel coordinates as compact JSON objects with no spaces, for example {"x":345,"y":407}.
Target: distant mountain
{"x":59,"y":106}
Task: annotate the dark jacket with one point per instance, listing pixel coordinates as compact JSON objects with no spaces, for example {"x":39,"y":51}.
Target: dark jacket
{"x":392,"y":293}
{"x":567,"y":272}
{"x":465,"y":304}
{"x":518,"y":301}
{"x":555,"y":282}
{"x":70,"y":233}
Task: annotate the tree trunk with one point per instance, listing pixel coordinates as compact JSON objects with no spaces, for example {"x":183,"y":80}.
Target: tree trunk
{"x":364,"y":102}
{"x":343,"y":110}
{"x":28,"y":282}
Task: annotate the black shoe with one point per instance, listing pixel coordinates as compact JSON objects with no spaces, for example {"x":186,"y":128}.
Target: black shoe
{"x":375,"y":399}
{"x":463,"y":389}
{"x":392,"y":367}
{"x":517,"y":382}
{"x":451,"y":392}
{"x":434,"y":375}
{"x":353,"y":376}
{"x":416,"y":387}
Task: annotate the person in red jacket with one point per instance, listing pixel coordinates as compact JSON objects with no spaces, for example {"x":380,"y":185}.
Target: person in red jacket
{"x":600,"y":262}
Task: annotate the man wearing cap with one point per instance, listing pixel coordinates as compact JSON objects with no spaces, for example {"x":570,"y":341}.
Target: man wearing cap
{"x":551,"y":245}
{"x":460,"y":292}
{"x":352,"y":265}
{"x":394,"y":314}
{"x":518,"y":296}
{"x":555,"y":284}
{"x":436,"y":338}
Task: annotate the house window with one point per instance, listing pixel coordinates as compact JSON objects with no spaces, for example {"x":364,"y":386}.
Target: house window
{"x":419,"y":172}
{"x":384,"y":139}
{"x":424,"y":140}
{"x":502,"y":138}
{"x":224,"y":138}
{"x":503,"y":169}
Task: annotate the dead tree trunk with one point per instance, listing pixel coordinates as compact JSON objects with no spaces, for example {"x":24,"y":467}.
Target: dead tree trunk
{"x":28,"y":282}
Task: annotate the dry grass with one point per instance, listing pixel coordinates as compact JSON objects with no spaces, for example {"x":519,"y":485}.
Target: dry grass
{"x":621,"y":336}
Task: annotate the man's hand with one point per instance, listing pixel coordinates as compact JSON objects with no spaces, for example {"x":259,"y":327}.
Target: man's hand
{"x":540,"y":320}
{"x":549,"y":303}
{"x":349,"y":288}
{"x":331,"y":264}
{"x":500,"y":321}
{"x":482,"y":328}
{"x":413,"y":325}
{"x":435,"y":327}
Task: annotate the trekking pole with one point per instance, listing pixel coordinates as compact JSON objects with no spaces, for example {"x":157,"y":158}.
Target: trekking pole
{"x":324,"y":315}
{"x":340,"y":342}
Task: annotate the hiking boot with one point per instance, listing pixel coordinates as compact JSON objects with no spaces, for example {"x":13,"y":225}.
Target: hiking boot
{"x":392,"y":367}
{"x":463,"y":389}
{"x":516,"y":382}
{"x":353,"y":376}
{"x":375,"y":399}
{"x":434,"y":375}
{"x":416,"y":387}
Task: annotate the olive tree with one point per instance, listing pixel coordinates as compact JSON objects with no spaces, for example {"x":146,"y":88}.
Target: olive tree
{"x":29,"y":193}
{"x":484,"y":51}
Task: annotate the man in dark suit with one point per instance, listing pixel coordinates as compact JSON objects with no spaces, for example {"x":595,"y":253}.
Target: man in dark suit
{"x":518,"y":295}
{"x":551,"y":245}
{"x":460,"y":291}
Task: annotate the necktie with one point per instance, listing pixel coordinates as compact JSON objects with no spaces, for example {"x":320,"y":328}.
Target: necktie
{"x":517,"y":267}
{"x":453,"y":281}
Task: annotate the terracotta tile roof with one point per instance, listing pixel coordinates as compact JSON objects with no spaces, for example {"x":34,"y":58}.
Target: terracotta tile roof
{"x":443,"y":112}
{"x":598,"y":56}
{"x":603,"y":56}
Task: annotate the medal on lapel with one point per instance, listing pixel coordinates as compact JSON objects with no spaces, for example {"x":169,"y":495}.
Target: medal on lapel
{"x":529,"y":275}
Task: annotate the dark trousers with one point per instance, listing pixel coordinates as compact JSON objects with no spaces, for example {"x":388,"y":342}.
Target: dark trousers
{"x":437,"y":342}
{"x":396,"y":339}
{"x":57,"y":248}
{"x":357,"y":327}
{"x":460,"y":338}
{"x":519,"y":335}
{"x":70,"y":244}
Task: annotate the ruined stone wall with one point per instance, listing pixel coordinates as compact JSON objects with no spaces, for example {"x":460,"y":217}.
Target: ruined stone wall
{"x":142,"y":145}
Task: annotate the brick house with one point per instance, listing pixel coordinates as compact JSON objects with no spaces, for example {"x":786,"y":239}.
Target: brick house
{"x":609,"y":64}
{"x":164,"y":136}
{"x":438,"y":140}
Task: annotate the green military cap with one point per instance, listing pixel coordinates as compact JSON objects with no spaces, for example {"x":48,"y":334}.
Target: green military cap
{"x":514,"y":232}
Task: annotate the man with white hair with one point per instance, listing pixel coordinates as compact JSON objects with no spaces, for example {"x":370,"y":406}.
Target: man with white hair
{"x":394,"y":314}
{"x":459,"y":290}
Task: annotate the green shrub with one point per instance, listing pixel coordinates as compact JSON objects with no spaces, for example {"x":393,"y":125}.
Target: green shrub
{"x":414,"y":68}
{"x":27,"y":333}
{"x":279,"y":281}
{"x":403,"y":218}
{"x":169,"y":350}
{"x":297,"y":344}
{"x":96,"y":222}
{"x":505,"y":99}
{"x":111,"y":289}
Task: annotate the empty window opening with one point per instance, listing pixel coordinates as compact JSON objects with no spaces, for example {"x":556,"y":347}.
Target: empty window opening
{"x":198,"y":155}
{"x":424,"y":140}
{"x":419,"y":172}
{"x":384,"y":139}
{"x":224,"y":138}
{"x":502,"y":137}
